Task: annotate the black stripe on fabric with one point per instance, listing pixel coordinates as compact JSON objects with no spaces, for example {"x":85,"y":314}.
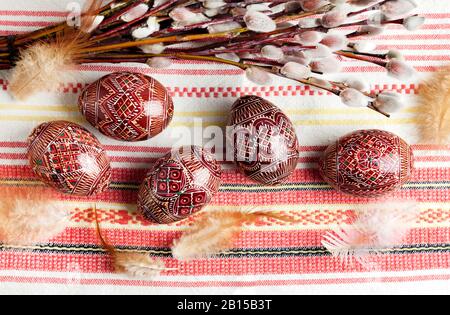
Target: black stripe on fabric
{"x":234,"y":253}
{"x":254,"y":188}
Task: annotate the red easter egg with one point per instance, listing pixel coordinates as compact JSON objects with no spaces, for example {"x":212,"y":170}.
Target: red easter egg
{"x":69,"y":158}
{"x":180,"y":184}
{"x":265,"y":142}
{"x":127,"y":106}
{"x":368,"y":163}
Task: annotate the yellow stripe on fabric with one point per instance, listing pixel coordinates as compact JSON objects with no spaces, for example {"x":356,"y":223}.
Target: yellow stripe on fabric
{"x":415,"y":249}
{"x":41,"y":118}
{"x":273,"y":188}
{"x":237,"y":187}
{"x":307,"y":216}
{"x":44,"y":108}
{"x":303,"y":122}
{"x":38,"y":183}
{"x":305,"y":111}
{"x":423,"y":206}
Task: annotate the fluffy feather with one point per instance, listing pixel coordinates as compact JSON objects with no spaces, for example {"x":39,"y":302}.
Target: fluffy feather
{"x":376,"y":228}
{"x":27,"y":217}
{"x":138,"y":265}
{"x":215,"y":232}
{"x":434,"y":115}
{"x":133,"y":264}
{"x":46,"y":64}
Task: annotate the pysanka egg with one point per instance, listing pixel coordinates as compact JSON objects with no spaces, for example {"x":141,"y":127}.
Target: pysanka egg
{"x":127,"y":106}
{"x":69,"y":158}
{"x":367,"y":163}
{"x":180,"y":184}
{"x":264,"y":140}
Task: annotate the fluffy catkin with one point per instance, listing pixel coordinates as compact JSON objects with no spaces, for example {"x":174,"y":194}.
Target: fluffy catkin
{"x":138,"y":265}
{"x":42,"y":67}
{"x":215,"y":232}
{"x":45,"y":65}
{"x":27,"y":217}
{"x":434,"y":109}
{"x":133,"y":264}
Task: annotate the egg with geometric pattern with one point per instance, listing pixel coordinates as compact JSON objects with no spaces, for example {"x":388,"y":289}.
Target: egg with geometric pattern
{"x":69,"y":158}
{"x":264,"y":140}
{"x":367,"y":163}
{"x":180,"y":184}
{"x":127,"y":106}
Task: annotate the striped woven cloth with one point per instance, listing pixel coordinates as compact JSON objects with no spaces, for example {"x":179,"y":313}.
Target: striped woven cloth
{"x":269,"y":257}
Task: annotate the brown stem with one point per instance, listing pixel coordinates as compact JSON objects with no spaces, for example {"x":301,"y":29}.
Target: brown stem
{"x":370,"y":55}
{"x":104,"y":243}
{"x":169,"y":39}
{"x":178,"y":56}
{"x":351,"y":55}
{"x":374,"y":107}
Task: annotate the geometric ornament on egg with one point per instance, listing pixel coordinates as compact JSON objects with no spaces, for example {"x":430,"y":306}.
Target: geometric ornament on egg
{"x":127,"y":106}
{"x":69,"y":158}
{"x":180,"y":184}
{"x":264,"y":140}
{"x":368,"y":163}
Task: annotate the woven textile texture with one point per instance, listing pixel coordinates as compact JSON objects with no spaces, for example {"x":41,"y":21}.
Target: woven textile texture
{"x":270,"y":257}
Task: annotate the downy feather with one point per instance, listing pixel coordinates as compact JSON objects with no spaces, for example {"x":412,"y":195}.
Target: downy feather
{"x":28,"y":217}
{"x":376,"y":228}
{"x":133,"y":264}
{"x":46,"y":64}
{"x":215,"y":232}
{"x":434,"y":109}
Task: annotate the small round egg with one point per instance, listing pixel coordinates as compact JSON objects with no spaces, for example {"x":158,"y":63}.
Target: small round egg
{"x":368,"y":163}
{"x":69,"y":158}
{"x":127,"y":106}
{"x":180,"y":184}
{"x":264,"y":140}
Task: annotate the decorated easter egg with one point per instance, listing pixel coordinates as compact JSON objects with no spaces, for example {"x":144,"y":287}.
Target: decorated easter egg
{"x":179,"y":185}
{"x":69,"y":158}
{"x":127,"y":106}
{"x":264,"y":140}
{"x":368,"y":163}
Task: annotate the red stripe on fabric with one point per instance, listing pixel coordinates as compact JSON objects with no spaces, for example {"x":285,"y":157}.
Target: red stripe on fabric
{"x":133,"y":159}
{"x":316,"y":197}
{"x":247,"y":239}
{"x":421,"y":47}
{"x":7,"y":33}
{"x":442,"y":15}
{"x":219,"y":284}
{"x":413,"y":36}
{"x":428,"y":58}
{"x":94,"y":263}
{"x":151,"y":160}
{"x":211,"y":92}
{"x":26,"y":23}
{"x":163,"y":150}
{"x":33,"y":13}
{"x":305,"y":176}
